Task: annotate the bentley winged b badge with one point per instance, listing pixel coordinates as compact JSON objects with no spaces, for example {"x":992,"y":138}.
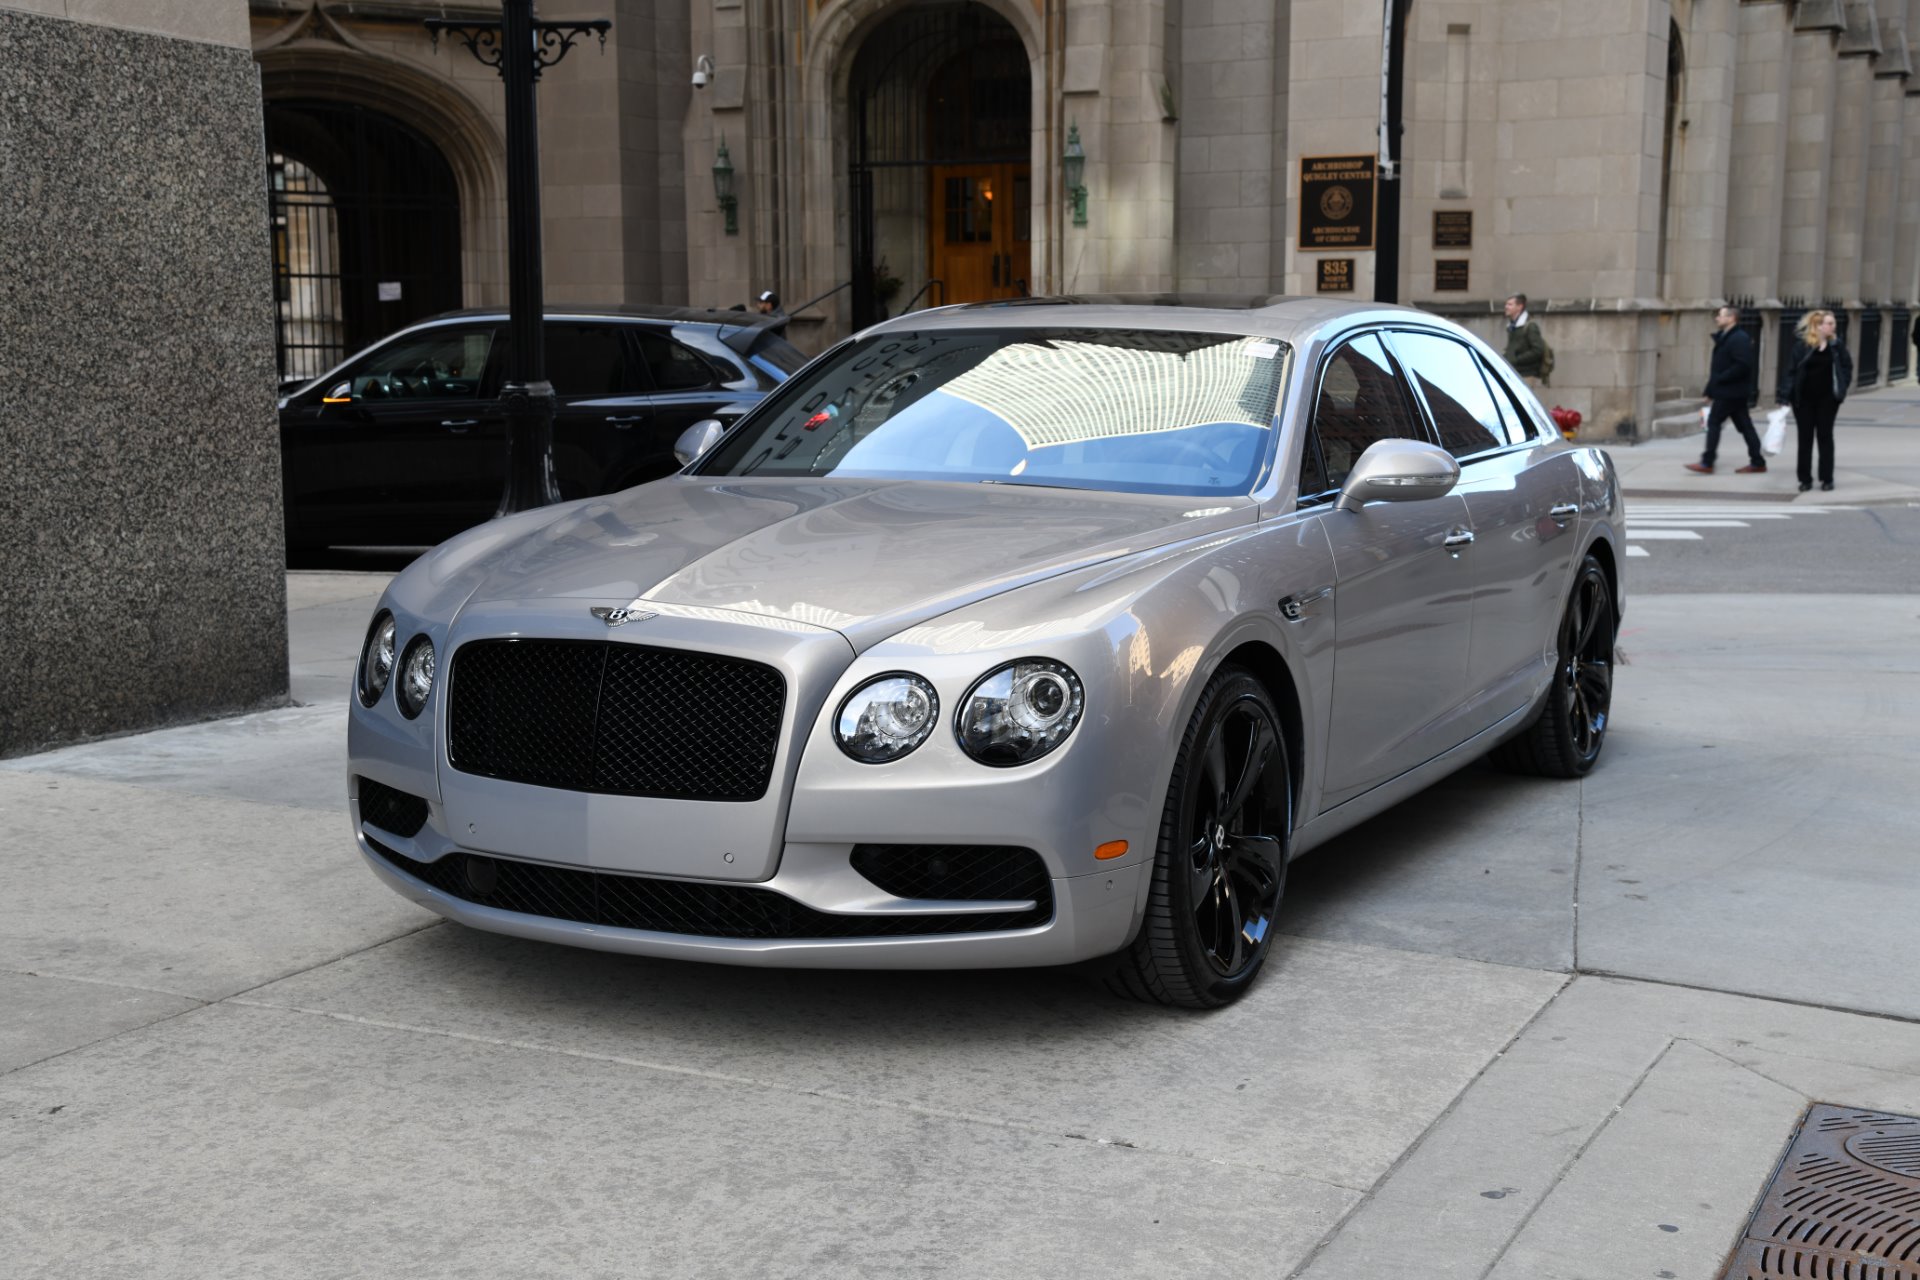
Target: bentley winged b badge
{"x":615,"y":617}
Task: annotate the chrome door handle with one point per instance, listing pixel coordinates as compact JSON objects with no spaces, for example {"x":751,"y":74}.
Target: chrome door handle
{"x":1294,"y":608}
{"x":1564,"y":512}
{"x":458,"y":424}
{"x":1456,"y":540}
{"x":624,"y":423}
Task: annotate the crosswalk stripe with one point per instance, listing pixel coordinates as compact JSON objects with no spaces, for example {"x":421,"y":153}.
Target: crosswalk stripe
{"x":1674,"y":522}
{"x":1670,"y":535}
{"x":1636,"y":551}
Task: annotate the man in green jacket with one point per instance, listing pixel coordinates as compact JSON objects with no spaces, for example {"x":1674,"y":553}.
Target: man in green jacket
{"x":1526,"y":349}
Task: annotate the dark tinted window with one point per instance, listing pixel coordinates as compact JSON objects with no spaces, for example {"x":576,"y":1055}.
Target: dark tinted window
{"x":674,"y":367}
{"x":1449,"y":378}
{"x":439,"y":364}
{"x":775,"y":351}
{"x":1360,"y":402}
{"x":589,"y":360}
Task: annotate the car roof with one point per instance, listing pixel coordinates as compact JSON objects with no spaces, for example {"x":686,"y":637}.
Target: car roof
{"x":1289,"y":317}
{"x":624,"y":311}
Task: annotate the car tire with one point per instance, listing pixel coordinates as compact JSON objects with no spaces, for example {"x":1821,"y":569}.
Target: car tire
{"x":1566,"y":733}
{"x":1220,"y":865}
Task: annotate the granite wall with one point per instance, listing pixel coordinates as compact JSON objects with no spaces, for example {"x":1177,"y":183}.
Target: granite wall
{"x":140,"y":536}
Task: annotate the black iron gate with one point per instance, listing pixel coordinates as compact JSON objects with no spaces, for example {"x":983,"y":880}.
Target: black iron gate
{"x":1899,"y":346}
{"x":936,"y":84}
{"x":1869,"y":355}
{"x":365,"y":218}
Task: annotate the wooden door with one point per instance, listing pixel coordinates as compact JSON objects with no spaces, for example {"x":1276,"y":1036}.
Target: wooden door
{"x":982,"y":239}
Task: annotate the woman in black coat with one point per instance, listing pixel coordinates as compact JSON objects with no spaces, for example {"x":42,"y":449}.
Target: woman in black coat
{"x":1818,"y":374}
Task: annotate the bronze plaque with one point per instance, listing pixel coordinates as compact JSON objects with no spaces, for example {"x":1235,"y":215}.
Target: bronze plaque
{"x":1453,"y":228}
{"x":1336,"y":275}
{"x":1450,"y":275}
{"x":1336,"y":203}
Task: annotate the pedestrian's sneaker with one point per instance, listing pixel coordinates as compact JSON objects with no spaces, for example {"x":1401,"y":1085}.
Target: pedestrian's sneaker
{"x":1750,"y":469}
{"x":1702,"y":468}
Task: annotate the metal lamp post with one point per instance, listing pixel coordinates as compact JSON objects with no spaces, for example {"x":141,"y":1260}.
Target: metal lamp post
{"x":520,"y":47}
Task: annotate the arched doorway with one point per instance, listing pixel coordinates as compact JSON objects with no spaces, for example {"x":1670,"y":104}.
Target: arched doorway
{"x":365,"y":218}
{"x":941,"y":173}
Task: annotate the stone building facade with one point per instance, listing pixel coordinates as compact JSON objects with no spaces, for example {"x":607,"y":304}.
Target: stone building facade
{"x":1627,"y":164}
{"x":140,"y":490}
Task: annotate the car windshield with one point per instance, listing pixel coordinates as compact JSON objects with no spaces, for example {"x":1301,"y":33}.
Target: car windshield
{"x":1131,"y":410}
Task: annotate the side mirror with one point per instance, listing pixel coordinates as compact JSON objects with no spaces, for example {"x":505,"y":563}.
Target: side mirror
{"x":1398,"y":471}
{"x":697,"y":439}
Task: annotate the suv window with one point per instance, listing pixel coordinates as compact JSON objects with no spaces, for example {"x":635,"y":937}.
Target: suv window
{"x":440,"y":364}
{"x":1361,"y":401}
{"x":1449,"y":379}
{"x":590,"y":360}
{"x":674,"y":367}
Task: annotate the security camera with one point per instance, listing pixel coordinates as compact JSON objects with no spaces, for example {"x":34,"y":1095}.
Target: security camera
{"x":702,"y":71}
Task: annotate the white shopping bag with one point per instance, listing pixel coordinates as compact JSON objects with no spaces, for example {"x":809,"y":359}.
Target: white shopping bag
{"x":1775,"y":439}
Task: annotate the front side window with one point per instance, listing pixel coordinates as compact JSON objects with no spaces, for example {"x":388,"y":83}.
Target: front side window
{"x":1361,"y":401}
{"x":441,"y":364}
{"x":1128,"y":410}
{"x":1449,"y":379}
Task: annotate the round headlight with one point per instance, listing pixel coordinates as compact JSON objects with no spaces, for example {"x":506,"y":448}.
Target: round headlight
{"x":376,"y":659}
{"x":416,"y":677}
{"x":1019,"y":712}
{"x":886,"y":717}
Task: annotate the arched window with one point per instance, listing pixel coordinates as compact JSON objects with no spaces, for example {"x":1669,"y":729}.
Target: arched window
{"x":306,"y":269}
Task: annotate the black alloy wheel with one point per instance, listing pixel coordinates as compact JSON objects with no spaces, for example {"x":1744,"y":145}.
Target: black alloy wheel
{"x":1221,"y":862}
{"x":1566,"y":735}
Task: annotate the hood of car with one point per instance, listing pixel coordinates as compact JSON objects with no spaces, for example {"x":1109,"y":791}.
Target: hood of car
{"x":862,"y":557}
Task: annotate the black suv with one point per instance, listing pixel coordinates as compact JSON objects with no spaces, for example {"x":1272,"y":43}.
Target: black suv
{"x":406,"y":445}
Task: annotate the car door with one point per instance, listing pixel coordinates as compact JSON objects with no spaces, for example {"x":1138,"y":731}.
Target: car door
{"x":1520,"y":550}
{"x":388,"y":449}
{"x":603,"y":412}
{"x":1403,"y":592}
{"x":687,"y":387}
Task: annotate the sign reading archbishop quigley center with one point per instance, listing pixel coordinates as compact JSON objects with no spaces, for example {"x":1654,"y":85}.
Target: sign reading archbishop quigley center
{"x":1336,"y":203}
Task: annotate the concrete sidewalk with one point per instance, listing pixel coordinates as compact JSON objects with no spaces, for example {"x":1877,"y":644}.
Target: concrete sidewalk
{"x":1516,"y":1028}
{"x":1876,"y":452}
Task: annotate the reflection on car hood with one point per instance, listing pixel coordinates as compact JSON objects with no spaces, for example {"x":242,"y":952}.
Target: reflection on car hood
{"x":864,"y":557}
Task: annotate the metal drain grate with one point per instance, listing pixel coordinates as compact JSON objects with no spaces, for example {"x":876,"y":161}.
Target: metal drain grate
{"x":1844,"y":1204}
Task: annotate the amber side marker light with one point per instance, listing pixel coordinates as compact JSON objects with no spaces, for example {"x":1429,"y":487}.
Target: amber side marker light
{"x":1111,"y":849}
{"x":336,"y":399}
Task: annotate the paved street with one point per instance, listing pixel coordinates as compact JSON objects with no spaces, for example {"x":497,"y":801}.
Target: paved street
{"x":1516,"y":1029}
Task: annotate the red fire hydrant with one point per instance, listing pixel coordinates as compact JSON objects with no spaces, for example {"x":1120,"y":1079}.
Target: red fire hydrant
{"x":1568,"y":420}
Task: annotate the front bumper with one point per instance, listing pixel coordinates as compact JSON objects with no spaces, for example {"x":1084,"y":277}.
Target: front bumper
{"x":1092,"y":915}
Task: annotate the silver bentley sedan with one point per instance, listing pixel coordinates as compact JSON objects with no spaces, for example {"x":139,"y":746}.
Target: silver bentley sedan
{"x":1014,"y":634}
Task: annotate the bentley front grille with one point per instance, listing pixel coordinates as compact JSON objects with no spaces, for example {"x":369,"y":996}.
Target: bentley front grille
{"x":677,"y":906}
{"x":620,"y":719}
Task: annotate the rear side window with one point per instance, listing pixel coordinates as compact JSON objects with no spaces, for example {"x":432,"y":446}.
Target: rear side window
{"x":674,"y":367}
{"x":1360,"y":401}
{"x":1457,"y":397}
{"x":590,"y":360}
{"x":1520,"y":427}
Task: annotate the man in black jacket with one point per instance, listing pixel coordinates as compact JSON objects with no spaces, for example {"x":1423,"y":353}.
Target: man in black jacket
{"x":1729,"y":386}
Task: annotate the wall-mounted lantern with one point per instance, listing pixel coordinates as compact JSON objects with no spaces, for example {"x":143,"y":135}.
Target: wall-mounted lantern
{"x":723,"y":188}
{"x":1073,"y":167}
